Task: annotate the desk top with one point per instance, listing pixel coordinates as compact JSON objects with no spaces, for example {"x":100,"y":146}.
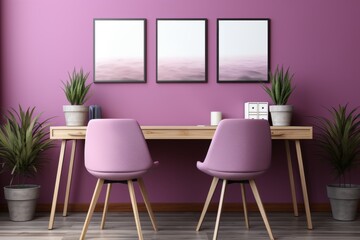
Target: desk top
{"x":184,"y":132}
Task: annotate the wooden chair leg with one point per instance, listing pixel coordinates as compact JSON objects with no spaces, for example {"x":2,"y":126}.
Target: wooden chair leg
{"x":147,"y":203}
{"x":219,"y":209}
{"x":207,"y":202}
{"x":106,"y":205}
{"x":243,"y":195}
{"x":135,"y":209}
{"x":94,"y":200}
{"x":261,"y":208}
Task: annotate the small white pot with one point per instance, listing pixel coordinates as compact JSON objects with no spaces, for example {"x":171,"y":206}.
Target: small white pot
{"x":76,"y":115}
{"x":281,"y":114}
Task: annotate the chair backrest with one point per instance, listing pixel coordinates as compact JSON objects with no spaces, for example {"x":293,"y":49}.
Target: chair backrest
{"x":240,"y":145}
{"x":116,"y":145}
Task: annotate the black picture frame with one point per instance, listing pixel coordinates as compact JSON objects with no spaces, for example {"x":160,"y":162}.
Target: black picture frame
{"x":181,"y":50}
{"x":120,"y":50}
{"x":243,"y":50}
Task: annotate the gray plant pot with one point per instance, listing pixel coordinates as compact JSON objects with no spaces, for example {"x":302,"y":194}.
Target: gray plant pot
{"x":21,"y":201}
{"x":76,"y":115}
{"x":344,"y":201}
{"x":281,"y":114}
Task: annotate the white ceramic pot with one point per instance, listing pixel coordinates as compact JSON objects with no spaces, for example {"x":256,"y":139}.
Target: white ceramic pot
{"x":76,"y":115}
{"x":281,"y":114}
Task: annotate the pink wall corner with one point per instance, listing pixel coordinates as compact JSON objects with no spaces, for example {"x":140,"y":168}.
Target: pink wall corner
{"x":42,"y":40}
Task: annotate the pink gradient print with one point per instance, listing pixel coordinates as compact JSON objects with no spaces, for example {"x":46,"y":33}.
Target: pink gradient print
{"x":120,"y":50}
{"x":181,"y":50}
{"x":243,"y":49}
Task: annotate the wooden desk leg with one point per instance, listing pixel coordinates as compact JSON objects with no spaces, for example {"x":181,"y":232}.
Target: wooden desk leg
{"x":57,"y":183}
{"x":68,"y":185}
{"x":303,"y":184}
{"x":291,"y":178}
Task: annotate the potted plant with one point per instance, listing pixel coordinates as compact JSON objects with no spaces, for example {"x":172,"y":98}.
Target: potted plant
{"x":339,"y":140}
{"x":23,"y":140}
{"x":280,"y":92}
{"x":76,"y":92}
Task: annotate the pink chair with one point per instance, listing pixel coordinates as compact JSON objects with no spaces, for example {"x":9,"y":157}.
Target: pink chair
{"x":116,"y":152}
{"x":239,"y":152}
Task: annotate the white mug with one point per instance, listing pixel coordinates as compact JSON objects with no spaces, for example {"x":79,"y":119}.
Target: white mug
{"x":215,"y":118}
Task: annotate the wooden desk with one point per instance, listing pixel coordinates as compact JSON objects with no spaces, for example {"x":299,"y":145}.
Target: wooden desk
{"x":295,"y":133}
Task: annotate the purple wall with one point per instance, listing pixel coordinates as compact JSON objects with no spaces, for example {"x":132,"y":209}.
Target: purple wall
{"x":42,"y":40}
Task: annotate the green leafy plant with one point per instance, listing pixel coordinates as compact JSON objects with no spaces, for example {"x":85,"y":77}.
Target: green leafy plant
{"x":339,"y":140}
{"x":281,"y":87}
{"x":23,"y":140}
{"x":76,"y":89}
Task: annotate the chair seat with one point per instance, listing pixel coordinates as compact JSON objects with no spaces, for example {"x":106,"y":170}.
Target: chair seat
{"x":228,"y":175}
{"x":117,"y":176}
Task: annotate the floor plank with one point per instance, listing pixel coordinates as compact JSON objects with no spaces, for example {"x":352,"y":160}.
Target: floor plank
{"x":180,"y":226}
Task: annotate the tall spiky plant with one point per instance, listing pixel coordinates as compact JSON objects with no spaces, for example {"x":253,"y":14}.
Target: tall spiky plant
{"x":23,"y":139}
{"x":339,"y":140}
{"x":281,"y":87}
{"x":76,"y":89}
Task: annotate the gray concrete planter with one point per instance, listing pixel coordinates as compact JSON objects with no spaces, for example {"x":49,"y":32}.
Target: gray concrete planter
{"x":76,"y":115}
{"x":21,"y":200}
{"x":281,"y":114}
{"x":344,"y":201}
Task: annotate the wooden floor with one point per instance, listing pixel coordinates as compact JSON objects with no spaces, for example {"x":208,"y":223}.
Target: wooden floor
{"x":177,"y":226}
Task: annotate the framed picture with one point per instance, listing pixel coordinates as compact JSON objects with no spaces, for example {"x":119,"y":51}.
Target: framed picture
{"x":242,"y":50}
{"x":120,"y":50}
{"x":181,"y":46}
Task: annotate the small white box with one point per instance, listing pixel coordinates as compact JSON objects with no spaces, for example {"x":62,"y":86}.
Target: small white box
{"x":256,"y":110}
